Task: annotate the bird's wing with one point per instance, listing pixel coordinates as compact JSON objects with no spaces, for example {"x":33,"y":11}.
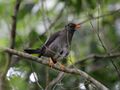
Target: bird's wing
{"x":52,"y":38}
{"x":49,"y":41}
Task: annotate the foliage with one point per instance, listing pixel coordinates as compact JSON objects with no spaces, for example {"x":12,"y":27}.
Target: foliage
{"x":34,"y":19}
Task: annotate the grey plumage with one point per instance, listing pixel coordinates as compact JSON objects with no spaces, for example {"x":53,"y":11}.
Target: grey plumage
{"x":57,"y":46}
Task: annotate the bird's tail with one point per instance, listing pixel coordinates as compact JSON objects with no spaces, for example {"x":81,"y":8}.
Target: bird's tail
{"x":32,"y":51}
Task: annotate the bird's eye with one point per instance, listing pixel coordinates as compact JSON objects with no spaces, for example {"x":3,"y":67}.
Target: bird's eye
{"x":71,"y":25}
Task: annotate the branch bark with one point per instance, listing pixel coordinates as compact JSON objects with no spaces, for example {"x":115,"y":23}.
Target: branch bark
{"x":55,"y":81}
{"x":14,"y":19}
{"x":99,"y":85}
{"x":92,"y":56}
{"x":98,"y":57}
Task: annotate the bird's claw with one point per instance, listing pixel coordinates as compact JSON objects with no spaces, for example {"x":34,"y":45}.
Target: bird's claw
{"x":61,"y":66}
{"x":51,"y":64}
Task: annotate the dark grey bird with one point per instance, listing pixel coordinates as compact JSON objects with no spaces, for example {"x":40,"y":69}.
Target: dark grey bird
{"x":57,"y":46}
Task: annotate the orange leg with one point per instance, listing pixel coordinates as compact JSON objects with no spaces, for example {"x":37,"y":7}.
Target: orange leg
{"x":61,"y":66}
{"x":51,"y":64}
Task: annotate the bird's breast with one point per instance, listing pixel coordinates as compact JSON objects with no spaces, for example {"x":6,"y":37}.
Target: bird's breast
{"x":59,"y":47}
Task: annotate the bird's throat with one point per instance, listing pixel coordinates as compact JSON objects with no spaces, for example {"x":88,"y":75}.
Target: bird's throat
{"x":69,"y":35}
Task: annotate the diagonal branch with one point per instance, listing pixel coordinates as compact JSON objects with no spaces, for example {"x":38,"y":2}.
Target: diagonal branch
{"x":55,"y":81}
{"x":61,"y":74}
{"x":98,"y":57}
{"x":57,"y":18}
{"x":101,"y":16}
{"x":99,"y":85}
{"x":92,"y":56}
{"x":105,"y":49}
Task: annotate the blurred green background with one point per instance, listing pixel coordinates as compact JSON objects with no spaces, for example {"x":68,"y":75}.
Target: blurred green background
{"x":38,"y":19}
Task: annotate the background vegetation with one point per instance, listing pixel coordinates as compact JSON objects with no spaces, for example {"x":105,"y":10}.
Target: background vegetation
{"x":38,"y":19}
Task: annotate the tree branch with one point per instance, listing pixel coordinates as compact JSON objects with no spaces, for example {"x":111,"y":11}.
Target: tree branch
{"x":12,"y":34}
{"x":57,"y":18}
{"x":66,"y":70}
{"x":12,"y":44}
{"x":92,"y":56}
{"x":54,"y":81}
{"x":14,"y":19}
{"x":97,"y":57}
{"x":97,"y":17}
{"x":61,"y":74}
{"x":13,"y":29}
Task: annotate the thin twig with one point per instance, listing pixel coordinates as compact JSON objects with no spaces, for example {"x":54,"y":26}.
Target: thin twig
{"x":14,"y":24}
{"x":56,"y":19}
{"x":101,"y":16}
{"x":36,"y":79}
{"x":105,"y":49}
{"x":43,"y":15}
{"x":55,"y":81}
{"x":98,"y":57}
{"x":13,"y":32}
{"x":66,"y":69}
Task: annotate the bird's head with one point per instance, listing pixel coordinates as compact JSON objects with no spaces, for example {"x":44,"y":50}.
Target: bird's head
{"x":72,"y":27}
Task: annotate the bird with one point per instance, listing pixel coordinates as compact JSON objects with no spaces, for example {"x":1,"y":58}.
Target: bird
{"x":57,"y":46}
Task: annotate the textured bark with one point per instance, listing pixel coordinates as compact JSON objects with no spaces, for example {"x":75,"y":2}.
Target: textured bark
{"x":99,"y":85}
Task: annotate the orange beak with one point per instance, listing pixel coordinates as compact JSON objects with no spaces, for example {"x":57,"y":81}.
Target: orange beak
{"x":77,"y":26}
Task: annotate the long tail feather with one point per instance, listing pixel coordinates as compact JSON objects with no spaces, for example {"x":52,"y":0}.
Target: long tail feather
{"x":33,"y":51}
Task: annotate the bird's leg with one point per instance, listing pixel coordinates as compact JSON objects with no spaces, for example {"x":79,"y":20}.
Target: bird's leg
{"x":61,"y":66}
{"x":51,"y":63}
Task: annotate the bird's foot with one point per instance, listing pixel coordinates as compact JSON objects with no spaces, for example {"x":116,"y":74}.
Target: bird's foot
{"x":61,"y":66}
{"x":51,"y":64}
